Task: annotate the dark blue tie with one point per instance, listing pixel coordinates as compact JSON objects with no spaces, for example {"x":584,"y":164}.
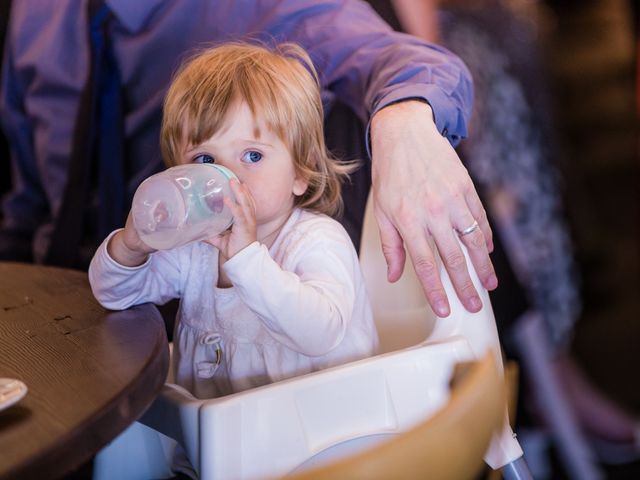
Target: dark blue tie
{"x":97,"y":156}
{"x":108,"y":146}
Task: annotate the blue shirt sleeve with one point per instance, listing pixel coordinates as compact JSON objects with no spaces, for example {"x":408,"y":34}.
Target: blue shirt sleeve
{"x":368,"y":66}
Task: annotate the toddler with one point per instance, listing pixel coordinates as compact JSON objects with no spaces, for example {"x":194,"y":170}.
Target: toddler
{"x":281,"y":292}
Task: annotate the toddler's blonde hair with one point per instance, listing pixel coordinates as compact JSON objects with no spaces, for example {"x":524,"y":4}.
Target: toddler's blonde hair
{"x":280,"y":86}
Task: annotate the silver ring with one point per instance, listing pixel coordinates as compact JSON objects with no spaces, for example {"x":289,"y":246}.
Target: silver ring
{"x":470,"y":229}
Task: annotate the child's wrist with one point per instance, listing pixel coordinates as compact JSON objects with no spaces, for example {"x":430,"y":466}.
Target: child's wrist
{"x":124,"y":255}
{"x":240,"y":249}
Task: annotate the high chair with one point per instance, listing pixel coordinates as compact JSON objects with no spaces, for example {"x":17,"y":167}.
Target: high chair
{"x":448,"y":445}
{"x":315,"y":419}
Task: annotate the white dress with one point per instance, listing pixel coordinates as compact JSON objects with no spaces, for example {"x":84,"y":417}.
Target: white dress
{"x":298,"y":307}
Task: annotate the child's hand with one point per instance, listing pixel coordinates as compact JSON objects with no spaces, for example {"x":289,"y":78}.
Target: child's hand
{"x":243,"y":230}
{"x":127,"y":248}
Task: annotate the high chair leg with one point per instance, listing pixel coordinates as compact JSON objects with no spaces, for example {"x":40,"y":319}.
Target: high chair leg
{"x":577,"y":457}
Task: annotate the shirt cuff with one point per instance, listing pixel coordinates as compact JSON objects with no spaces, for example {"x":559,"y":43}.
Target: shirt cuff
{"x":449,"y":119}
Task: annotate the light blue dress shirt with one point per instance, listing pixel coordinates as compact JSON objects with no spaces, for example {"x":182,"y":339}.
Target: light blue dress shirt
{"x":361,"y":61}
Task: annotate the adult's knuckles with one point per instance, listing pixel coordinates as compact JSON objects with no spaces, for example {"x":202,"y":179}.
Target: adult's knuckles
{"x":467,"y":289}
{"x":393,"y":254}
{"x":425,"y":267}
{"x":455,"y":261}
{"x":476,"y":239}
{"x":406,"y":212}
{"x":436,"y":208}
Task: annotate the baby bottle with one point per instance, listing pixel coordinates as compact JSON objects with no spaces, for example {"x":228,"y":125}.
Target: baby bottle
{"x":182,"y":204}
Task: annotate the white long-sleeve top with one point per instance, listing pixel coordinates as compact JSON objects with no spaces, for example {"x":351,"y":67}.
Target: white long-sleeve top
{"x":297,"y":307}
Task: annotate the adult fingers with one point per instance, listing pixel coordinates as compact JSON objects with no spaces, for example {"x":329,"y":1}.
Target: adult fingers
{"x":479,"y":242}
{"x":426,"y":267}
{"x":455,"y":263}
{"x":392,"y":246}
{"x":480,"y":215}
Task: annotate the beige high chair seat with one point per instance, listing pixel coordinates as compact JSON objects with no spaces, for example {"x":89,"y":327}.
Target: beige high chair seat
{"x":317,"y":419}
{"x":447,"y":446}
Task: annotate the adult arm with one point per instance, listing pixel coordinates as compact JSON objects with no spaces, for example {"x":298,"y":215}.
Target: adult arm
{"x":422,"y":196}
{"x":421,"y":190}
{"x":420,"y":18}
{"x":367,"y":65}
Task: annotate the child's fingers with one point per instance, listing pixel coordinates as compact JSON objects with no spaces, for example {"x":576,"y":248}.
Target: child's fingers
{"x":240,"y":192}
{"x":218,"y":241}
{"x":248,"y":204}
{"x":244,"y":200}
{"x":234,"y":206}
{"x":237,"y":210}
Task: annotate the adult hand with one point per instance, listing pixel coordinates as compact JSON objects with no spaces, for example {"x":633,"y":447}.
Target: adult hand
{"x":422,"y":190}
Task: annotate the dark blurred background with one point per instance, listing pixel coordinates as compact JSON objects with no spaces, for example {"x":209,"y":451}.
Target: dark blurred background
{"x":591,"y":50}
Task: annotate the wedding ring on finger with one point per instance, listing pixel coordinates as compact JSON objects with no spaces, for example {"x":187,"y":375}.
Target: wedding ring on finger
{"x":470,"y":229}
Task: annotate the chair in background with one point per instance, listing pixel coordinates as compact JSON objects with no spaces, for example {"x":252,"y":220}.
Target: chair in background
{"x":305,"y":422}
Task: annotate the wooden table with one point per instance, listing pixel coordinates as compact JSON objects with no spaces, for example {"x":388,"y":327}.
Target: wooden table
{"x":90,"y":372}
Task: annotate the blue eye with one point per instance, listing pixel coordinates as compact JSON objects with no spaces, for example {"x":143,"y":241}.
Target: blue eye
{"x":203,"y":158}
{"x":251,"y":156}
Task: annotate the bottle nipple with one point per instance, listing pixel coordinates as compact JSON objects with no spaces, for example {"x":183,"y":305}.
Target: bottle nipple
{"x":213,"y":196}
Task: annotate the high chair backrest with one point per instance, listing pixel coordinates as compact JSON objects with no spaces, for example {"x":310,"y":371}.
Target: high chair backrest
{"x":404,"y":318}
{"x":402,"y":315}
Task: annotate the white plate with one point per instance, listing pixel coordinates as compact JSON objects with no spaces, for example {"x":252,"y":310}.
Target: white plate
{"x":11,"y":391}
